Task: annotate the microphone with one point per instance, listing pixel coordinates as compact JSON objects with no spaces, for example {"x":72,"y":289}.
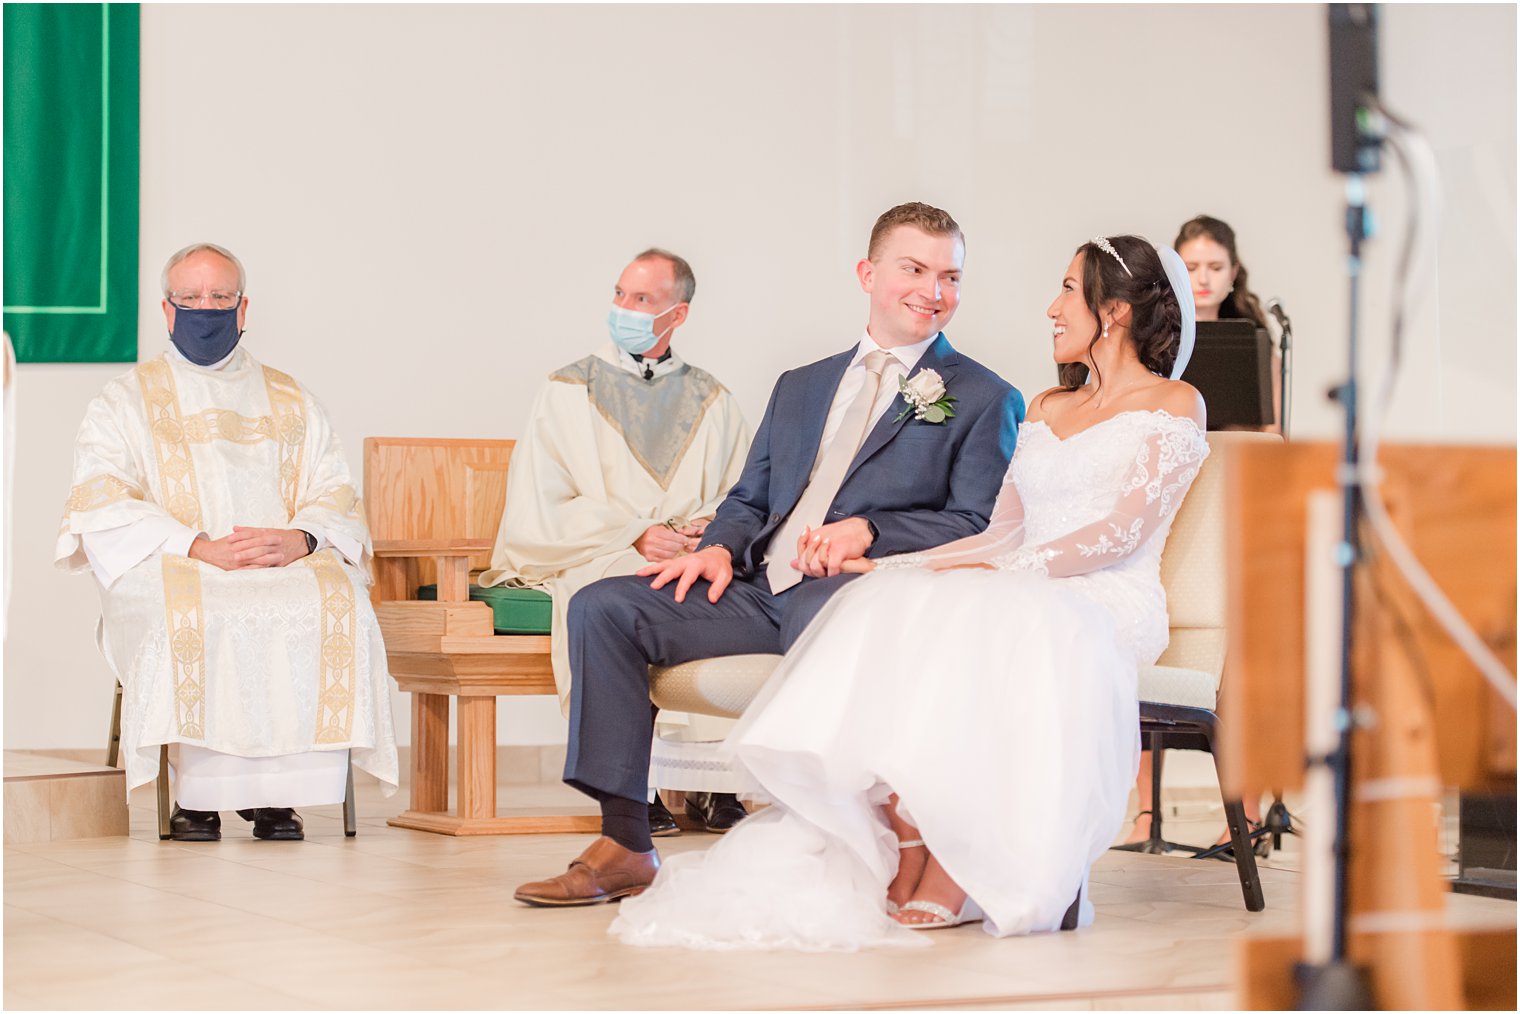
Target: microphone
{"x":1275,"y":308}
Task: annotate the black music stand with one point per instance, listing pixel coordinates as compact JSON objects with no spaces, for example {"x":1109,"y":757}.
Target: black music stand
{"x":1232,"y":369}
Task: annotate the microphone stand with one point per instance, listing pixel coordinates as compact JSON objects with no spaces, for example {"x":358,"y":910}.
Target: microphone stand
{"x":1285,"y":346}
{"x":1338,"y":984}
{"x":1332,"y":981}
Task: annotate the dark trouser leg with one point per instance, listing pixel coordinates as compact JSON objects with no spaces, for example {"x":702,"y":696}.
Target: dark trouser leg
{"x":619,"y":627}
{"x":802,"y":603}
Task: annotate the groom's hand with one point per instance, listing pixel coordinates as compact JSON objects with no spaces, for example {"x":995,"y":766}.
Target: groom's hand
{"x":822,"y":551}
{"x":712,"y":563}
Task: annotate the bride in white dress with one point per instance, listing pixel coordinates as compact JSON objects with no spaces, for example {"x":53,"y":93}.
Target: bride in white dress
{"x":1000,"y":667}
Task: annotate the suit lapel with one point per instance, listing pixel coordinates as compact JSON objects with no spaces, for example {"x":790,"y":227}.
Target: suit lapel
{"x":939,"y":357}
{"x":813,"y":414}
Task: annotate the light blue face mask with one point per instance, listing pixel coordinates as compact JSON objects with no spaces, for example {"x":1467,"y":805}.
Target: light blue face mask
{"x":633,"y":330}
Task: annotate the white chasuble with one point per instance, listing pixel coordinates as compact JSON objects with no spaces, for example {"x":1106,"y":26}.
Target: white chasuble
{"x":257,"y":663}
{"x":606,"y":454}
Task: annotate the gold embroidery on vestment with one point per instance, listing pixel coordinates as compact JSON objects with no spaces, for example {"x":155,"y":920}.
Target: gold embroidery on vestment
{"x":336,"y":661}
{"x":342,"y":500}
{"x":186,"y":624}
{"x":224,"y":424}
{"x":289,"y":412}
{"x":176,"y":469}
{"x":99,"y":491}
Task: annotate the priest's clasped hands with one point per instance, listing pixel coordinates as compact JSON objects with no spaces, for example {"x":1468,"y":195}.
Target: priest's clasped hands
{"x":248,"y":548}
{"x":673,"y":538}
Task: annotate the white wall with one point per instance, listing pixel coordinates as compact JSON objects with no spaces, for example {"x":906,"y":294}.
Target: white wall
{"x":433,"y":204}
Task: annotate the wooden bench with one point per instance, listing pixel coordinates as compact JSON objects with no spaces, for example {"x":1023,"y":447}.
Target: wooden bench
{"x":434,"y":508}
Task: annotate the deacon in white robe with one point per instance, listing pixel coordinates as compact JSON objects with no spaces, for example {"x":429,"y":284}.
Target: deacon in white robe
{"x":625,"y":456}
{"x":212,"y":502}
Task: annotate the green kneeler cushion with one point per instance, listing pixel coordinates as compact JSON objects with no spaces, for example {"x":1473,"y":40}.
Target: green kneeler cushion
{"x":515,"y":610}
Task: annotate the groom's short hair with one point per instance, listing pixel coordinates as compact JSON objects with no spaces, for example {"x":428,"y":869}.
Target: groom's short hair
{"x":921,"y":216}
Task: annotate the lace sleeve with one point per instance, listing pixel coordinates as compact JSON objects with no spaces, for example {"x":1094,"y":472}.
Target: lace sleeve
{"x":1153,"y":488}
{"x":1004,"y":533}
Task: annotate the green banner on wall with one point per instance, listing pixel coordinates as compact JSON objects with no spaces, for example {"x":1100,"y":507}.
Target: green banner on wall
{"x":71,"y":167}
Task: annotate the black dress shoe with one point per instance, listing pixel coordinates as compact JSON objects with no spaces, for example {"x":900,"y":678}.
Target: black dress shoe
{"x":718,"y":811}
{"x":275,"y":823}
{"x":662,"y":824}
{"x":195,"y":825}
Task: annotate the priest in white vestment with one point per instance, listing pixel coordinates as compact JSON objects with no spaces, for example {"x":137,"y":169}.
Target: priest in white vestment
{"x":626,"y":455}
{"x":213,"y":504}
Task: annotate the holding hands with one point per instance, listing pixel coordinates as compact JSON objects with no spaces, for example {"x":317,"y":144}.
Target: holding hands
{"x":249,"y":548}
{"x":836,"y":548}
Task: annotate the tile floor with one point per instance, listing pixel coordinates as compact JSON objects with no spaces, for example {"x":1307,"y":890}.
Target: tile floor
{"x":401,"y":919}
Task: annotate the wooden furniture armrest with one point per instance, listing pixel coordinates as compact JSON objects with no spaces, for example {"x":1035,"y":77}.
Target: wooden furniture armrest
{"x":436,"y":548}
{"x":396,"y":569}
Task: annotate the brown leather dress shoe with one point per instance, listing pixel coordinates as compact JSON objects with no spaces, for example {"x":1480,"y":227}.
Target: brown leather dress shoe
{"x":604,"y":872}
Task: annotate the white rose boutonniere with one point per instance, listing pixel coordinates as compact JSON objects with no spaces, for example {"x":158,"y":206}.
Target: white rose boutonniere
{"x":926,"y":398}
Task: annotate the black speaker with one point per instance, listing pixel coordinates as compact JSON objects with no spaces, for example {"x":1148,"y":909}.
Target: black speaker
{"x":1353,"y":87}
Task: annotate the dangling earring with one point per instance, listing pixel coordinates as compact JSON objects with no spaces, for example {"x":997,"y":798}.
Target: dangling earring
{"x":1105,"y":330}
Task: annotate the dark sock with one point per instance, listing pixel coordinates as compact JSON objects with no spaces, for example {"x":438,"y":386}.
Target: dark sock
{"x":626,"y":821}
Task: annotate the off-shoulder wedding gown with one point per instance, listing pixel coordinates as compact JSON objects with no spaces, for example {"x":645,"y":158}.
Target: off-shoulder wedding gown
{"x":999,"y":704}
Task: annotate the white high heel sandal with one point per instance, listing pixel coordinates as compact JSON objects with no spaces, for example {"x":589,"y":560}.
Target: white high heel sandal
{"x":911,"y":843}
{"x":969,"y":913}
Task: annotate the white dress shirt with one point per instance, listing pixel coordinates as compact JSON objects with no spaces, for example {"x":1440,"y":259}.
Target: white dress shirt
{"x":855,"y":377}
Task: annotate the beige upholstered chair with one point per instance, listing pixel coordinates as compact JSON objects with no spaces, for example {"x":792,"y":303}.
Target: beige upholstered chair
{"x":1179,"y":695}
{"x":711,"y":686}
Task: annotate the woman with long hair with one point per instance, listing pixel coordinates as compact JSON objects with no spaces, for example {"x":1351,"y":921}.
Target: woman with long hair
{"x":1221,"y":291}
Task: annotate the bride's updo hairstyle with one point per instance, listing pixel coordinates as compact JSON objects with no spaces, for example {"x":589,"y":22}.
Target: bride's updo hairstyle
{"x":1155,"y":322}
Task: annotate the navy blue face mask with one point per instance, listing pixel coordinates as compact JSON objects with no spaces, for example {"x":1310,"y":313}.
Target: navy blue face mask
{"x":205,"y":336}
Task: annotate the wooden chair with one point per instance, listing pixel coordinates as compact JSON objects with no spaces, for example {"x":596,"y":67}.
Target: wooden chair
{"x":434,"y":507}
{"x":165,"y":809}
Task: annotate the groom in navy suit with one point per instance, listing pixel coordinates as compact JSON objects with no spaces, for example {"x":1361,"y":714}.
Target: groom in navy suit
{"x":843,"y":466}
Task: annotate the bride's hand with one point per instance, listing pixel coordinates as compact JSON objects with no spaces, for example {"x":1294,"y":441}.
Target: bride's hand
{"x":858,"y":566}
{"x":823,"y":551}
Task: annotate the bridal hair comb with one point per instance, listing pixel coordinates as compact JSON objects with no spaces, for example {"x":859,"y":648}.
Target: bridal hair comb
{"x":1102,"y":243}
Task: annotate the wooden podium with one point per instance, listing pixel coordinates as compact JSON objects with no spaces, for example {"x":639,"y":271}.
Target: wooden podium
{"x":1432,"y":721}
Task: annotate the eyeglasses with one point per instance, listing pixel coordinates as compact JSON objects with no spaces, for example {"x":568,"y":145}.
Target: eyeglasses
{"x":205,"y":300}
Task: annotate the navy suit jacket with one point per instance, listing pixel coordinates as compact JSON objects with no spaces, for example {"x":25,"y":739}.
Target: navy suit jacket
{"x":921,"y":484}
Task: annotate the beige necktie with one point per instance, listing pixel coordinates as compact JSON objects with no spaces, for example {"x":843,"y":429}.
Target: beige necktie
{"x":828,"y":473}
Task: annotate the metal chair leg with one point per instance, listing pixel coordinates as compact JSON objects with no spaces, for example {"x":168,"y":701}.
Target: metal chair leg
{"x":163,"y":793}
{"x":113,"y":741}
{"x":1156,"y":844}
{"x":350,"y":814}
